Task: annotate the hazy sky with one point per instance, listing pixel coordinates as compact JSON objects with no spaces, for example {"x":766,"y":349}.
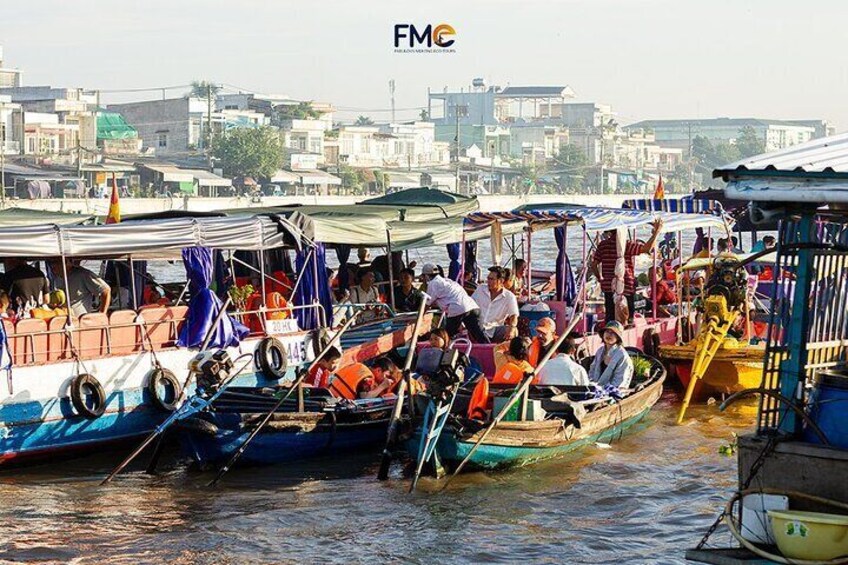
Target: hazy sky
{"x":648,"y":58}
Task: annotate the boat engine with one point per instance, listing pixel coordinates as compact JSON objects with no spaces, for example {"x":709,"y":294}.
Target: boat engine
{"x":730,"y":280}
{"x":448,"y":376}
{"x":210,"y":368}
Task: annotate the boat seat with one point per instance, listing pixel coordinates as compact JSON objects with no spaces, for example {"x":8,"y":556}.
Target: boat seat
{"x":57,"y":341}
{"x":125,"y":334}
{"x":93,"y":335}
{"x":29,"y":345}
{"x":162,"y":324}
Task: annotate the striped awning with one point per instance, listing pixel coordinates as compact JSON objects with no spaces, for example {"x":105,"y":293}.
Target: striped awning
{"x":687,"y":205}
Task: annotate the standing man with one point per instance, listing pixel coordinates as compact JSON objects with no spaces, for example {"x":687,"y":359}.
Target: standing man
{"x":452,"y":299}
{"x":84,"y":287}
{"x":498,"y":306}
{"x":603,"y":267}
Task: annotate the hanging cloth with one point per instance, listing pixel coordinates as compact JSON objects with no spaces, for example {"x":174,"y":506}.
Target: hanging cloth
{"x":471,"y":258}
{"x":618,"y":276}
{"x":204,"y":306}
{"x":497,"y":243}
{"x":311,"y":263}
{"x":566,"y":289}
{"x":454,"y":266}
{"x":343,"y":254}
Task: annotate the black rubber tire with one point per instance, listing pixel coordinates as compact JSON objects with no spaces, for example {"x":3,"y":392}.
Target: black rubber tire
{"x":78,"y":386}
{"x":271,"y":358}
{"x":154,"y":378}
{"x":320,"y":340}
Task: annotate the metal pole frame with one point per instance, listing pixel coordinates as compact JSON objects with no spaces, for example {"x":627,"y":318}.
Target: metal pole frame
{"x":132,"y":284}
{"x":391,"y":270}
{"x":584,"y":291}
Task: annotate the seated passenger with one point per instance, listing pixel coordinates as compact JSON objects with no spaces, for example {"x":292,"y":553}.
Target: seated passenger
{"x":498,"y":306}
{"x":366,"y":293}
{"x":514,"y":368}
{"x":385,"y":376}
{"x":544,"y":339}
{"x":562,"y":369}
{"x":612,"y":365}
{"x":88,"y":292}
{"x":439,"y":339}
{"x":27,"y":286}
{"x":666,"y":299}
{"x":407,"y":297}
{"x":319,"y":376}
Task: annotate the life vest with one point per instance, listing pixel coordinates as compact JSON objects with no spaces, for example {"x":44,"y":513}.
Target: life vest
{"x":535,"y":354}
{"x":509,"y":374}
{"x":347,"y":380}
{"x":275,"y":300}
{"x":480,"y":401}
{"x":273,"y":286}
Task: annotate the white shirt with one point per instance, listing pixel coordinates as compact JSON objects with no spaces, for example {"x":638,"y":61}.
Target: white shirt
{"x":562,"y":370}
{"x":493,"y":313}
{"x":449,"y":297}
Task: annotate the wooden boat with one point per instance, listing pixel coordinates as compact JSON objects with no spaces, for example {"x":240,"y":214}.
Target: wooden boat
{"x":324,"y":426}
{"x":733,"y":368}
{"x":518,"y":443}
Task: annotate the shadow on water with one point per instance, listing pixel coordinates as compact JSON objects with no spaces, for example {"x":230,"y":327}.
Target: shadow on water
{"x":642,"y":500}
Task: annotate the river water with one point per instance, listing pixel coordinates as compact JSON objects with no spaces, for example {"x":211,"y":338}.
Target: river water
{"x":644,"y":499}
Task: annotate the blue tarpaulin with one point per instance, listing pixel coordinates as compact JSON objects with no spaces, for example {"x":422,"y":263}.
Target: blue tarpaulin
{"x":343,"y":254}
{"x":454,"y":265}
{"x":471,"y":258}
{"x":315,"y":263}
{"x":204,"y":306}
{"x":566,"y":289}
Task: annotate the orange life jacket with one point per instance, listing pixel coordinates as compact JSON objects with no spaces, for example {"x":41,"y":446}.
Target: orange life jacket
{"x":347,"y":380}
{"x":254,"y":303}
{"x":535,"y":353}
{"x":480,"y":401}
{"x":509,"y":374}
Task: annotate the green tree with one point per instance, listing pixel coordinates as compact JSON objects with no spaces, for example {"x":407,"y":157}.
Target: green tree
{"x":255,"y":152}
{"x":574,"y":162}
{"x":203,"y":88}
{"x":299,"y":111}
{"x":748,"y":143}
{"x":424,"y":115}
{"x":363,"y":121}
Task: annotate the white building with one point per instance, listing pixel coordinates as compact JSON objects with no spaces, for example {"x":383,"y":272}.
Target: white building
{"x":10,"y":130}
{"x":410,"y":145}
{"x":8,"y":77}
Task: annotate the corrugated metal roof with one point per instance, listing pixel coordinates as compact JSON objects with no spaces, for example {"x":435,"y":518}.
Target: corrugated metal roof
{"x":539,"y":91}
{"x":822,"y":156}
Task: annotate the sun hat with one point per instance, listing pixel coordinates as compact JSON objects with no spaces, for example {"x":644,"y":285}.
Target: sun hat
{"x":615,"y":327}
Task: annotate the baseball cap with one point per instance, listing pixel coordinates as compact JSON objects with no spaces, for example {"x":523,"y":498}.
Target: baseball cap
{"x":429,"y":269}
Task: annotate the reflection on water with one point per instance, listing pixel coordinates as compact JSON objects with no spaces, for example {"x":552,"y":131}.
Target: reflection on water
{"x":645,"y":499}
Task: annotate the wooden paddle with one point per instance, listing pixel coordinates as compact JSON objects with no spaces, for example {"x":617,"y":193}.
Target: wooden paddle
{"x":519,"y":392}
{"x":270,"y":414}
{"x":386,"y":461}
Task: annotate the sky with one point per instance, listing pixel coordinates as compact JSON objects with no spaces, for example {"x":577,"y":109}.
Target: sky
{"x":649,"y":59}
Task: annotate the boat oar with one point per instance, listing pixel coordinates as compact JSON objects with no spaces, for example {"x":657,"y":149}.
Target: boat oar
{"x":519,"y":392}
{"x":295,"y":385}
{"x":174,"y":416}
{"x":386,"y":461}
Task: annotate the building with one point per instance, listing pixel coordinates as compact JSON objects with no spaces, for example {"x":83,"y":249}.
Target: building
{"x":10,"y":126}
{"x":407,"y":145}
{"x":46,"y":138}
{"x":8,"y":77}
{"x":493,"y":105}
{"x":776,"y":134}
{"x":179,"y":125}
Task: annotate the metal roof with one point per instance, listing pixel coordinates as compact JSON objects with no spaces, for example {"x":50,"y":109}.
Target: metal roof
{"x":825,"y":156}
{"x":536,"y":91}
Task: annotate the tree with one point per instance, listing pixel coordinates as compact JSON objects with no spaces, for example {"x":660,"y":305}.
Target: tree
{"x":203,"y":89}
{"x":748,"y":143}
{"x":424,"y":115}
{"x":254,"y":152}
{"x":574,"y":161}
{"x":299,"y":111}
{"x":363,"y":121}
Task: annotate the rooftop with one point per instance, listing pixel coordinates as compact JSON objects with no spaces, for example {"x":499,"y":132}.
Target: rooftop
{"x":722,"y":122}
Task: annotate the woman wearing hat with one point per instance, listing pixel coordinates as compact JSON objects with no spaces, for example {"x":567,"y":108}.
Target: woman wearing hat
{"x":612,"y":365}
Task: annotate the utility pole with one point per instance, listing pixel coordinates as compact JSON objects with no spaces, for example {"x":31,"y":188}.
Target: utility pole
{"x":459,"y":111}
{"x":208,"y":140}
{"x":392,"y":93}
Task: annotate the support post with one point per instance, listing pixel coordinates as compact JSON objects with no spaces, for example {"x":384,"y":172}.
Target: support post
{"x":391,"y":269}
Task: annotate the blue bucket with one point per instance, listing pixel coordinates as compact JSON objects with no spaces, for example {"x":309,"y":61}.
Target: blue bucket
{"x":829,"y":409}
{"x":534,"y":317}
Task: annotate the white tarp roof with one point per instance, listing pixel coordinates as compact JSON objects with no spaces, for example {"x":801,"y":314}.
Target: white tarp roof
{"x":205,"y":178}
{"x":172,"y":174}
{"x":318,"y":177}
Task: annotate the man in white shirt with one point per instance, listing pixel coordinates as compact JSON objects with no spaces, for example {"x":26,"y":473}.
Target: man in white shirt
{"x":498,"y":306}
{"x":452,"y":299}
{"x":562,"y":369}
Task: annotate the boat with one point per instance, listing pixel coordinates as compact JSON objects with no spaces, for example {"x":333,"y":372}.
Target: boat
{"x":573,"y":418}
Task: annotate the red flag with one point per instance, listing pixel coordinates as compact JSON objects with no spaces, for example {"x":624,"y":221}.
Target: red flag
{"x":659,"y":192}
{"x":114,"y":215}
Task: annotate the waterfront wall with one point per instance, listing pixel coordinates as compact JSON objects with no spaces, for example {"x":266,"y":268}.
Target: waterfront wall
{"x":100,"y":206}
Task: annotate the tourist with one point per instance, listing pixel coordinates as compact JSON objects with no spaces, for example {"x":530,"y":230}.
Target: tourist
{"x":27,"y":286}
{"x":514,"y":364}
{"x":543,"y":340}
{"x":385,"y":376}
{"x":603,"y":267}
{"x":407,"y":297}
{"x":439,"y":339}
{"x":612,"y":366}
{"x":498,"y":306}
{"x":364,"y":292}
{"x":452,"y":299}
{"x":562,"y":369}
{"x":469,"y":281}
{"x":364,"y":257}
{"x":665,"y":299}
{"x":87,"y":291}
{"x":320,"y":374}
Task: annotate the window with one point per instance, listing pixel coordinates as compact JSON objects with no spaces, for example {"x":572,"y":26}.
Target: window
{"x":162,"y":140}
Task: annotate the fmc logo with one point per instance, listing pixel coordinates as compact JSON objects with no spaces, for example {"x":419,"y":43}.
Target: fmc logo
{"x":410,"y":38}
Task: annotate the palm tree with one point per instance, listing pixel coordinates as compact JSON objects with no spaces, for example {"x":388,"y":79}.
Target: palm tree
{"x":363,"y":121}
{"x":202,"y":89}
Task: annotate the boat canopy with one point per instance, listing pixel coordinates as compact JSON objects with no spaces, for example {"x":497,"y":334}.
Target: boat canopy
{"x":420,"y":203}
{"x":151,"y":239}
{"x":594,"y":218}
{"x":17,"y":217}
{"x":686,"y":205}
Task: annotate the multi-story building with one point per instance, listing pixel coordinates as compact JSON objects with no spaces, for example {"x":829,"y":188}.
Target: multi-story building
{"x":409,"y":145}
{"x":10,"y":126}
{"x":8,"y":77}
{"x":775,"y":134}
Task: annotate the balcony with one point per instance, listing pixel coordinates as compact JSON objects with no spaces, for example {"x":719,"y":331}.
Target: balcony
{"x":10,"y":147}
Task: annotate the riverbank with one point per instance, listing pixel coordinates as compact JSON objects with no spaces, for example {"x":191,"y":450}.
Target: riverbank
{"x":131,"y":206}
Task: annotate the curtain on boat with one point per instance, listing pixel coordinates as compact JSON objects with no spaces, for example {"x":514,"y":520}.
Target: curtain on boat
{"x":343,"y":254}
{"x":204,"y":306}
{"x":566,"y":289}
{"x":454,"y":265}
{"x":223,"y":277}
{"x":471,"y":258}
{"x":315,"y":264}
{"x":700,"y":241}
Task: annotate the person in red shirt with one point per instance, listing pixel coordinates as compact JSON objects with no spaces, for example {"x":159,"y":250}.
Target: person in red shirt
{"x":666,"y":299}
{"x":603,"y":267}
{"x":320,"y":374}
